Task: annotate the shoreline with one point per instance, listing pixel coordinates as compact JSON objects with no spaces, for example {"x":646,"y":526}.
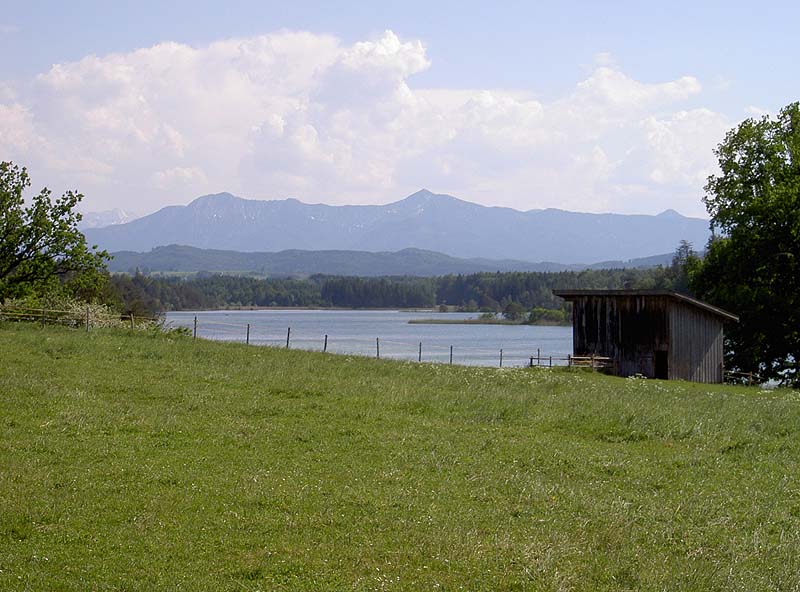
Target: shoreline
{"x":483,"y":322}
{"x":305,"y":308}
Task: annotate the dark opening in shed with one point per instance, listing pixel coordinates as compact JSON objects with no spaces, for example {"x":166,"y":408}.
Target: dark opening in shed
{"x":655,"y":333}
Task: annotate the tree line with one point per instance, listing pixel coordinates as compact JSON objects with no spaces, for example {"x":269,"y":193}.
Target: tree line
{"x":501,"y":292}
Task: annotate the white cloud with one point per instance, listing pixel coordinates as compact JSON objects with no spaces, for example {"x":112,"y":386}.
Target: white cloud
{"x":303,"y":115}
{"x":16,"y":129}
{"x":180,"y":177}
{"x":757,"y":112}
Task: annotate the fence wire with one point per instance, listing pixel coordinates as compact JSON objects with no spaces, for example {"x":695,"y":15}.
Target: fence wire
{"x":376,"y":347}
{"x":252,"y":334}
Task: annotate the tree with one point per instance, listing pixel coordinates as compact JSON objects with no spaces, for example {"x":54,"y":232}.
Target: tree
{"x":40,"y":242}
{"x":685,"y":262}
{"x":513,"y":311}
{"x":752,"y":265}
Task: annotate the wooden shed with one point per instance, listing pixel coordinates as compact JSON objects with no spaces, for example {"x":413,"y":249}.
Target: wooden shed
{"x":655,"y":333}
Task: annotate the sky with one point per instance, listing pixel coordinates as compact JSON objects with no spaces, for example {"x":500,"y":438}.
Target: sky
{"x":608,"y":106}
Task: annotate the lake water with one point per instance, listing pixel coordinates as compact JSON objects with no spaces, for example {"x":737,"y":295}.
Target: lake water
{"x":355,"y":332}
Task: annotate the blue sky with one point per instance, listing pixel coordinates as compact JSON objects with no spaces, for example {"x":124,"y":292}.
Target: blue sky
{"x":436,"y":107}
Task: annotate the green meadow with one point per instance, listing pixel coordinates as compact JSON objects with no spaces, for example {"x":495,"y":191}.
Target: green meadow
{"x":142,"y":461}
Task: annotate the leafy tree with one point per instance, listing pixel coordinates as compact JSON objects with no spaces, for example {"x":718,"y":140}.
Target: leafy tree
{"x":39,"y":242}
{"x":752,"y":266}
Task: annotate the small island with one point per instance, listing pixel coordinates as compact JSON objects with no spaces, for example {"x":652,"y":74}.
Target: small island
{"x":512,"y":315}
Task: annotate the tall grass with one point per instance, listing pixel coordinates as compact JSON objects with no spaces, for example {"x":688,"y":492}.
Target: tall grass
{"x":133,"y":461}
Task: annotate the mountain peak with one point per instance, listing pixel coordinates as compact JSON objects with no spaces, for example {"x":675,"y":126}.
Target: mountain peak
{"x":421,"y":195}
{"x":214,"y":197}
{"x":670,"y":213}
{"x":425,"y":197}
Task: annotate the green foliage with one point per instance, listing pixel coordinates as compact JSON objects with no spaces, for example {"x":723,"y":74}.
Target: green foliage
{"x":752,"y":268}
{"x":357,"y":292}
{"x":40,"y":244}
{"x":148,"y":295}
{"x":549,"y":316}
{"x":513,"y":311}
{"x":152,"y":462}
{"x":488,"y":292}
{"x":685,"y":264}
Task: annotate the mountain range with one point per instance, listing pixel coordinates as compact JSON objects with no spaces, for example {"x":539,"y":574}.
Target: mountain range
{"x":105,"y":218}
{"x":424,"y":220}
{"x":416,"y":262}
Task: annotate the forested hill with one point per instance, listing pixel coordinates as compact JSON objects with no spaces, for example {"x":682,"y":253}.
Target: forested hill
{"x":411,"y":262}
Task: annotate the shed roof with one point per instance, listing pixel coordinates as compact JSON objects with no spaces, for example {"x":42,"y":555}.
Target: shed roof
{"x":573,"y":294}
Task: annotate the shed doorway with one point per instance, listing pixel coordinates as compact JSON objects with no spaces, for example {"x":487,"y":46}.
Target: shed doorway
{"x":662,"y":365}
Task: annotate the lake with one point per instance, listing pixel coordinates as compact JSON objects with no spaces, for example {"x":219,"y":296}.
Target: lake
{"x":355,"y":332}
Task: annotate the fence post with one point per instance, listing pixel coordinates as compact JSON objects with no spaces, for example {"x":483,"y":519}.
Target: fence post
{"x":592,"y":361}
{"x":569,"y":360}
{"x":419,"y":359}
{"x":132,"y":321}
{"x":531,"y":361}
{"x":551,"y":361}
{"x":288,"y":334}
{"x":501,"y":358}
{"x":247,"y":339}
{"x":44,"y":317}
{"x":451,"y":355}
{"x":87,"y":318}
{"x":378,"y":347}
{"x":538,"y":357}
{"x":325,"y":345}
{"x":194,"y":330}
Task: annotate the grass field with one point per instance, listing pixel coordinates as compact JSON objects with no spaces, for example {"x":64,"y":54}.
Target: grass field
{"x":134,"y":461}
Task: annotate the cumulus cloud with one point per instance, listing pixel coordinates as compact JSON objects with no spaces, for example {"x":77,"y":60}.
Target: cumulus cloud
{"x":304,"y":115}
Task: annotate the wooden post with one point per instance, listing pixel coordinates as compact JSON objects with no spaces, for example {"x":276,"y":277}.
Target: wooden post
{"x":44,"y":317}
{"x":325,"y":345}
{"x":569,"y":360}
{"x":531,"y":361}
{"x":247,"y":339}
{"x":501,"y":358}
{"x":87,"y":318}
{"x":419,"y":358}
{"x":378,"y":347}
{"x":288,"y":334}
{"x":451,"y":355}
{"x":551,"y":361}
{"x":132,"y":322}
{"x":194,"y":331}
{"x":538,"y":357}
{"x":592,"y":360}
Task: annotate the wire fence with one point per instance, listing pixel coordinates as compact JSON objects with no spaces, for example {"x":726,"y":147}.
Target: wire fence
{"x":382,"y":348}
{"x":89,"y":317}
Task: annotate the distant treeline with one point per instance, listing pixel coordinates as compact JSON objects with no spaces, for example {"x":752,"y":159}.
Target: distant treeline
{"x":143,"y":294}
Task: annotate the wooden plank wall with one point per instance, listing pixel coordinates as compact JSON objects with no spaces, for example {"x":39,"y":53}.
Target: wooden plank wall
{"x":696,"y":349}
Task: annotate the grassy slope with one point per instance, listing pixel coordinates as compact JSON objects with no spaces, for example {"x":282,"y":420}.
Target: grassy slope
{"x":135,"y":462}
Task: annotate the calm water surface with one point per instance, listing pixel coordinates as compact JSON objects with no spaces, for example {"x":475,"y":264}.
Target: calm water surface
{"x":355,"y":332}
